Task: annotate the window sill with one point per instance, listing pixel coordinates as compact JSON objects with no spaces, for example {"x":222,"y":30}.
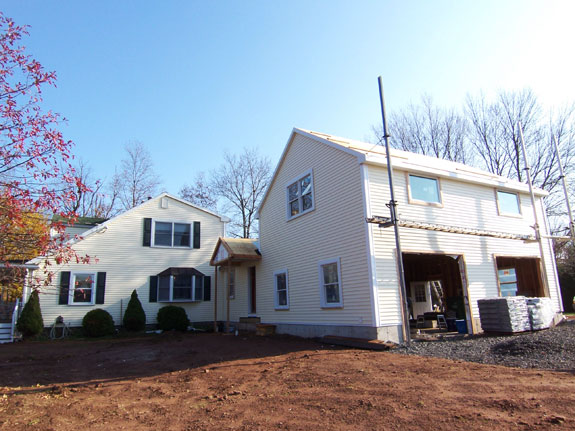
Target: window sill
{"x":331,"y":306}
{"x":284,"y":308}
{"x":80,"y":304}
{"x":517,"y":216}
{"x":178,"y":301}
{"x":171,"y":247}
{"x":425,"y":204}
{"x":300,"y":214}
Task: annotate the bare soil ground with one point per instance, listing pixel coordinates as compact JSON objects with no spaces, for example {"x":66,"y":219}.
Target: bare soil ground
{"x":216,"y":382}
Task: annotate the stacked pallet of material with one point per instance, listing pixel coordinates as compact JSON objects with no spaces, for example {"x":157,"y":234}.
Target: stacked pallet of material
{"x":504,"y":314}
{"x":541,"y":313}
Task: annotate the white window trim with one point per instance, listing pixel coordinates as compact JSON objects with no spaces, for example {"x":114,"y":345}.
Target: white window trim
{"x":324,"y":303}
{"x":276,"y":296}
{"x":72,"y":288}
{"x":504,"y":214}
{"x":172,"y":291}
{"x":296,"y":180}
{"x":412,"y":200}
{"x":153,"y":242}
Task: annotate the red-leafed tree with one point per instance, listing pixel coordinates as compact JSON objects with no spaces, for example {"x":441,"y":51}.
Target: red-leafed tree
{"x":34,"y":156}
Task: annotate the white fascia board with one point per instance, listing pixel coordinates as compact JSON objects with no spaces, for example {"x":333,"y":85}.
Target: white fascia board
{"x":463,"y":173}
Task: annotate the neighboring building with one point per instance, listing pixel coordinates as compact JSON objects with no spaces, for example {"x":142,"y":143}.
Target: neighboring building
{"x":79,"y":226}
{"x":161,"y":248}
{"x":466,"y":234}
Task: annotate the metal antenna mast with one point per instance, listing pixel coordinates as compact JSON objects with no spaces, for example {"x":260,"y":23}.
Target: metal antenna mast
{"x":536,"y":226}
{"x":562,"y":176}
{"x":393,"y":212}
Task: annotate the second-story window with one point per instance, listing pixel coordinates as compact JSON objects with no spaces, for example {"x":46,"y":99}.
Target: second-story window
{"x":508,"y":203}
{"x":300,"y":196}
{"x":170,"y":234}
{"x":424,"y":189}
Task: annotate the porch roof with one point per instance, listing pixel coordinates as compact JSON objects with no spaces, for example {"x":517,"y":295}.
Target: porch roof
{"x":230,"y":250}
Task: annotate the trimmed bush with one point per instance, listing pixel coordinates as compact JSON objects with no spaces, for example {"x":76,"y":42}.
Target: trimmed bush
{"x":172,"y":317}
{"x":30,"y":322}
{"x":98,"y":323}
{"x":134,"y":317}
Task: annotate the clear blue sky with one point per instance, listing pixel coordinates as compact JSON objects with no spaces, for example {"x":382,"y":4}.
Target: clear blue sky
{"x":191,"y":79}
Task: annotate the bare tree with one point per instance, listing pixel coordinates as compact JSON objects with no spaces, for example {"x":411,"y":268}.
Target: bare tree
{"x":87,"y":198}
{"x":430,"y":130}
{"x":200,"y":193}
{"x":136,"y":180}
{"x":237,"y":187}
{"x":241,"y":182}
{"x":486,"y":135}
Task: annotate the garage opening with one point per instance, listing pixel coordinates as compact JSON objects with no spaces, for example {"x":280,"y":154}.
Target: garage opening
{"x":436,"y":285}
{"x":519,"y":276}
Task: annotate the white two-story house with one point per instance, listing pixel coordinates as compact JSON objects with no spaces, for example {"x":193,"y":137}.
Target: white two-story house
{"x":161,"y":248}
{"x":466,"y":234}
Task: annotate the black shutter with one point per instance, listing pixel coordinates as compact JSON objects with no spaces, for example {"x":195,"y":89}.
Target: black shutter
{"x":100,"y":287}
{"x":147,"y":232}
{"x":207,"y":287}
{"x":196,"y":234}
{"x":64,"y":287}
{"x":153,"y":288}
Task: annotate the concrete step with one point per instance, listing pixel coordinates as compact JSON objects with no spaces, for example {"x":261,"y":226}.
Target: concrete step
{"x":5,"y":332}
{"x":248,"y":324}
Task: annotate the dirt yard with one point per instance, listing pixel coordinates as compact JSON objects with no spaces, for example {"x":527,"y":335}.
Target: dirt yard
{"x":217,"y":382}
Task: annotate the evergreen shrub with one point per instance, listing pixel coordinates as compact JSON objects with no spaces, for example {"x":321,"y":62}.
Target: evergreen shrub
{"x":173,"y":317}
{"x":30,"y":322}
{"x":98,"y":323}
{"x":134,"y":317}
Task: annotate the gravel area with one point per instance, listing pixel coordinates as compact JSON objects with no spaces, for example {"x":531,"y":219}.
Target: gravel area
{"x":548,"y":349}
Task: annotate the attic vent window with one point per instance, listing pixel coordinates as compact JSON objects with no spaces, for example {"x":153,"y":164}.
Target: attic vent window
{"x":300,"y":199}
{"x":164,"y":203}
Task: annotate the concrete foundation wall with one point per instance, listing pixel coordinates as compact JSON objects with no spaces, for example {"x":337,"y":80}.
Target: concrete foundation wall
{"x":385,"y":333}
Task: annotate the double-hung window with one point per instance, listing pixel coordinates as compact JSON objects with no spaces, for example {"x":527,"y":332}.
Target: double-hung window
{"x":300,"y":198}
{"x":82,"y":288}
{"x":330,"y":283}
{"x":507,"y":281}
{"x":281,"y":290}
{"x":424,"y":190}
{"x":508,"y":203}
{"x":170,"y":234}
{"x":180,"y":288}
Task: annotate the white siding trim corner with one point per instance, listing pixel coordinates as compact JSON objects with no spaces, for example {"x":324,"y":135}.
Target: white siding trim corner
{"x":375,"y":317}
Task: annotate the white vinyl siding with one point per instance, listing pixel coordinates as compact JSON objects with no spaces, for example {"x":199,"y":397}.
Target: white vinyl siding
{"x":464,"y":205}
{"x":337,"y":224}
{"x":128,"y":266}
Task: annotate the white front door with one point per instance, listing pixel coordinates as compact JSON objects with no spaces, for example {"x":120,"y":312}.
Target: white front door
{"x":420,"y":297}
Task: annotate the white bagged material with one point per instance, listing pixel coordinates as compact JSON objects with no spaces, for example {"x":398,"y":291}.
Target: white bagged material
{"x":541,"y":313}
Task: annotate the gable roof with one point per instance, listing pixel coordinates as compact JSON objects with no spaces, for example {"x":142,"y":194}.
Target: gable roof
{"x":405,"y":161}
{"x":103,"y":226}
{"x":236,"y":249}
